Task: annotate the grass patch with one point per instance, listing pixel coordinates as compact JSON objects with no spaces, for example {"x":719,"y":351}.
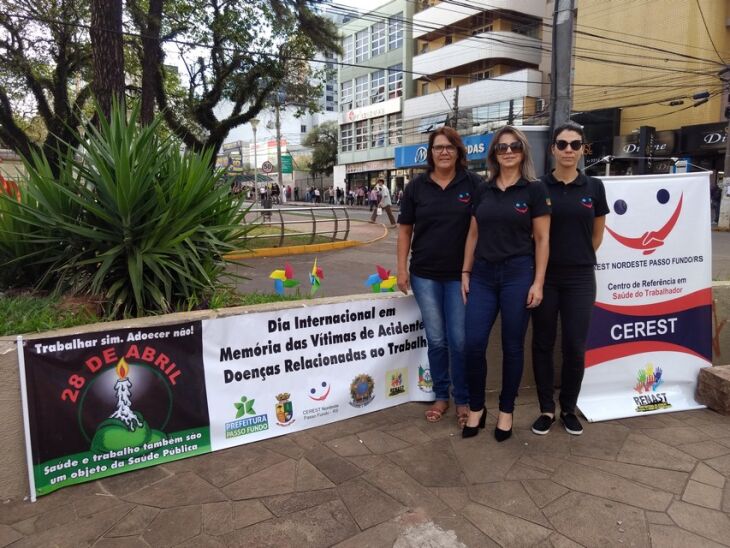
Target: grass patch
{"x":32,"y":314}
{"x":25,"y":314}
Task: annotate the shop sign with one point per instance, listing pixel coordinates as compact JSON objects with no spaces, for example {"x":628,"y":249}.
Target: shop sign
{"x":415,"y":155}
{"x":372,"y":111}
{"x":373,"y":165}
{"x":627,"y":146}
{"x":710,"y":138}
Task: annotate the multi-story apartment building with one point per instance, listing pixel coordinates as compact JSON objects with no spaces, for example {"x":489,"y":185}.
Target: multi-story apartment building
{"x":374,"y":78}
{"x":477,"y":67}
{"x":648,"y":82}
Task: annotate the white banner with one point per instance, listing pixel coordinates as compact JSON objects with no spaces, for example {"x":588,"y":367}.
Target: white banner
{"x":271,"y":373}
{"x":651,"y":330}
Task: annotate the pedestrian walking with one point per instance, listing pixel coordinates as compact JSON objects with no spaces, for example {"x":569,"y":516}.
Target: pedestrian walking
{"x":505,"y":256}
{"x":373,"y":198}
{"x":579,"y":210}
{"x":433,"y":223}
{"x":385,"y":203}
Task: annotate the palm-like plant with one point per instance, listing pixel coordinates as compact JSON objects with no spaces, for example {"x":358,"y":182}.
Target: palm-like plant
{"x":130,"y":218}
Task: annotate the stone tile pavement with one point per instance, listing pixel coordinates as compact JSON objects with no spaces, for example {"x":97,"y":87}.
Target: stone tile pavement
{"x":389,"y":478}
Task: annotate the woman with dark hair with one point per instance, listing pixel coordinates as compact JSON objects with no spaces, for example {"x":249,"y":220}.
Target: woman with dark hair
{"x":505,"y":256}
{"x":576,"y":231}
{"x":433,"y":223}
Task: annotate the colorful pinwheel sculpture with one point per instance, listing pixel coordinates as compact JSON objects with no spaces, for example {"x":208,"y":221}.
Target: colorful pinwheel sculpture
{"x":381,"y":281}
{"x":315,"y":278}
{"x":283,"y":279}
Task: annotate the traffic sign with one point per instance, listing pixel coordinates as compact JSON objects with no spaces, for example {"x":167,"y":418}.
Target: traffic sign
{"x":267,"y":167}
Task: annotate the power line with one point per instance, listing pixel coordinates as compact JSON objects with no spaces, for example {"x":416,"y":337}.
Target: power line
{"x":709,"y":35}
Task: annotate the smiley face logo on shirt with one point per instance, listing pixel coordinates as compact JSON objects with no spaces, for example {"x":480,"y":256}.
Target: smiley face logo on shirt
{"x":464,"y":197}
{"x":587,"y":201}
{"x":521,"y":207}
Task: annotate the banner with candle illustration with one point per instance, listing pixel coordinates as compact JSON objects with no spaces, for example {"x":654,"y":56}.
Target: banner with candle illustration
{"x":651,"y":330}
{"x":104,"y":403}
{"x":108,"y":402}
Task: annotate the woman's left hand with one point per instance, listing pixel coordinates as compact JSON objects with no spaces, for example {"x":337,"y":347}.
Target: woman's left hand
{"x":534,"y":296}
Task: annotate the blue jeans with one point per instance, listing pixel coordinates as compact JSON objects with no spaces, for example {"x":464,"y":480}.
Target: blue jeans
{"x":443,"y":314}
{"x":497,"y":288}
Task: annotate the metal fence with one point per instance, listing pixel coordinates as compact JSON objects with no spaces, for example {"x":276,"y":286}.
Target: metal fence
{"x":329,"y":221}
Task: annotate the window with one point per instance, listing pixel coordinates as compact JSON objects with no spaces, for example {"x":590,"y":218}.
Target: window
{"x":481,"y":75}
{"x":395,"y":81}
{"x":448,"y":40}
{"x":395,"y":32}
{"x":361,"y":135}
{"x":377,"y":86}
{"x":348,"y":49}
{"x":377,"y":132}
{"x":395,"y":129}
{"x":361,"y":46}
{"x":329,"y":98}
{"x":424,"y":88}
{"x":423,"y":47}
{"x":302,"y":128}
{"x":346,"y":137}
{"x":361,"y":92}
{"x":447,"y":83}
{"x":529,"y":28}
{"x":378,"y":35}
{"x":346,"y":96}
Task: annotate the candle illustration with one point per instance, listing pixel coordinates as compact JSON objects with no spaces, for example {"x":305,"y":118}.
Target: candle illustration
{"x":123,"y":388}
{"x":124,"y":427}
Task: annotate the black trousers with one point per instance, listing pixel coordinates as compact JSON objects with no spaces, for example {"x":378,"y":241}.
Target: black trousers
{"x":569,"y":292}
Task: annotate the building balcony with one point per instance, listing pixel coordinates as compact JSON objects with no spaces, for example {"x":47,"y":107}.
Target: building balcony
{"x":521,"y":83}
{"x":447,"y":13}
{"x":482,"y":47}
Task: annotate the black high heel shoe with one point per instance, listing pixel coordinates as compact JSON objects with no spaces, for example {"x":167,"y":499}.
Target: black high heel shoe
{"x":502,"y":435}
{"x":471,"y":431}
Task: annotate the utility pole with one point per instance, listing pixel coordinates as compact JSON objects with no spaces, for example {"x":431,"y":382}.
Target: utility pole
{"x":560,"y":91}
{"x":455,"y":108}
{"x":724,"y":217}
{"x":278,"y":141}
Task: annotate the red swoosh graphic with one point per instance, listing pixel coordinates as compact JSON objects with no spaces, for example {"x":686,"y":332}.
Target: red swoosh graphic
{"x":649,"y":241}
{"x":703,"y":297}
{"x":323,"y":397}
{"x":604,"y":354}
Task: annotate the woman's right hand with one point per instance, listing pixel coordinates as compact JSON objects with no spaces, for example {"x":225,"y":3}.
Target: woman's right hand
{"x":404,"y":282}
{"x":465,"y":278}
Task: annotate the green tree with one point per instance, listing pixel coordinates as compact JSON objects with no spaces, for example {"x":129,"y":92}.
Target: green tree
{"x":323,"y":140}
{"x":44,"y":73}
{"x":234,"y":53}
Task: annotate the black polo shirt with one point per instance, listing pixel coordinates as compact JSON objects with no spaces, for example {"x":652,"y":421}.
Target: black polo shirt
{"x":575,"y":207}
{"x":440,"y":219}
{"x":505,"y":218}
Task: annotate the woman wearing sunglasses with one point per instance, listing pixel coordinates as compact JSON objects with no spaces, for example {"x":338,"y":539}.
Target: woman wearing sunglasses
{"x":505,"y":257}
{"x":576,"y":230}
{"x":433,"y":222}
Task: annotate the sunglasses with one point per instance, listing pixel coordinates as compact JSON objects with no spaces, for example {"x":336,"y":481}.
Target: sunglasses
{"x":502,"y":148}
{"x":562,"y":145}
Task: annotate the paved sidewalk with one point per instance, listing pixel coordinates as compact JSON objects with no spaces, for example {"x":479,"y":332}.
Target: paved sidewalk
{"x":391,"y":479}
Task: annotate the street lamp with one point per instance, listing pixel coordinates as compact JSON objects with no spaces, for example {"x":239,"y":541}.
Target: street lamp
{"x":254,"y":124}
